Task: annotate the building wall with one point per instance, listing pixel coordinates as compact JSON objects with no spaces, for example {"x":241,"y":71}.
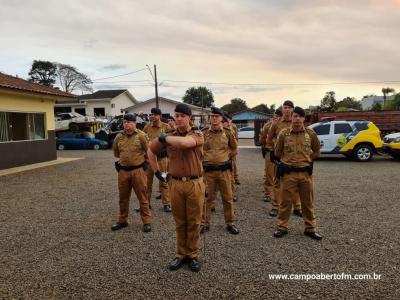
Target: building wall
{"x":91,"y":105}
{"x":165,"y":106}
{"x":18,"y":153}
{"x":18,"y":102}
{"x":120,"y":103}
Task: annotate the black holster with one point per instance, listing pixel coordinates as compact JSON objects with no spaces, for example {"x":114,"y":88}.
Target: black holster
{"x":117,"y":166}
{"x":263,"y":151}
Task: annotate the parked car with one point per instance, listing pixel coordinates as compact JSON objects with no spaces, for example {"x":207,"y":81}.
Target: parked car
{"x":391,"y":144}
{"x":357,"y":139}
{"x":246,"y":133}
{"x":73,"y":121}
{"x":79,"y":140}
{"x":115,"y":126}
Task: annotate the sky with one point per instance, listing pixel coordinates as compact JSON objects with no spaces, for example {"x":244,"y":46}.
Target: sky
{"x":262,"y":51}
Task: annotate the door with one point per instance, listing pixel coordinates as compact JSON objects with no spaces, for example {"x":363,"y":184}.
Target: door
{"x":323,"y":132}
{"x":340,"y":131}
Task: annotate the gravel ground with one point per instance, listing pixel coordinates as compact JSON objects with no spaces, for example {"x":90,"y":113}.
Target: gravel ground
{"x":56,"y":241}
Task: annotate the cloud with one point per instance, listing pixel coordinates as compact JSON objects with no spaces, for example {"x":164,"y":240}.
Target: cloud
{"x":114,"y":67}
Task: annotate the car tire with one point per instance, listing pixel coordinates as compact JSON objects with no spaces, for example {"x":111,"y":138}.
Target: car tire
{"x":96,"y":147}
{"x":61,"y":147}
{"x":363,"y":152}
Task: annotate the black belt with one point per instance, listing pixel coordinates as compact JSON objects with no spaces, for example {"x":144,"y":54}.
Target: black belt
{"x":225,"y":167}
{"x":130,"y":168}
{"x":187,"y":178}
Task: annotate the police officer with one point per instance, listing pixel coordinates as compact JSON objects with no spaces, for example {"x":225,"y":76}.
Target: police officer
{"x":185,"y":152}
{"x":219,"y":147}
{"x":171,"y":122}
{"x":297,"y":147}
{"x":270,"y":167}
{"x":235,"y":169}
{"x":130,"y":147}
{"x":153,"y":130}
{"x":284,"y":122}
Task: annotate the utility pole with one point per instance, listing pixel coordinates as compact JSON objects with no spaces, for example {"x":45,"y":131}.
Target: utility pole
{"x":156,"y":85}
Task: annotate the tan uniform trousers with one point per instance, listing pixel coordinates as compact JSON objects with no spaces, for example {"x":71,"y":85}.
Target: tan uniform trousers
{"x":269,"y":174}
{"x":163,"y":163}
{"x":297,"y":185}
{"x":235,"y":169}
{"x":276,"y":200}
{"x":136,"y":180}
{"x":187,"y":205}
{"x":219,"y":181}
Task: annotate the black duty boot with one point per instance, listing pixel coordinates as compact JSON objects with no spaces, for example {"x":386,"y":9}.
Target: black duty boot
{"x":118,"y":226}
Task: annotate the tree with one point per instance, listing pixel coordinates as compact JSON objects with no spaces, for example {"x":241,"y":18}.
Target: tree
{"x":376,"y":106}
{"x":71,"y":79}
{"x":396,"y":101}
{"x":199,"y":96}
{"x":386,"y":91}
{"x":263,"y":108}
{"x":236,"y":105}
{"x":43,"y":72}
{"x":349,"y":102}
{"x":328,"y":103}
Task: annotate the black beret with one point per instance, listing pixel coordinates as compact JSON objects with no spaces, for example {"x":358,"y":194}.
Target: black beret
{"x":298,"y":110}
{"x":130,"y":117}
{"x":217,"y":111}
{"x":288,"y":103}
{"x":171,"y":118}
{"x":278,"y":112}
{"x":183,"y":108}
{"x":156,"y":111}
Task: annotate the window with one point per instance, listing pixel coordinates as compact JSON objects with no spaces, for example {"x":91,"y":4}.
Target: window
{"x":112,"y":105}
{"x":16,"y":126}
{"x":361,"y":125}
{"x":322,"y":129}
{"x":247,"y":129}
{"x":342,"y":128}
{"x":99,"y":111}
{"x":81,"y":111}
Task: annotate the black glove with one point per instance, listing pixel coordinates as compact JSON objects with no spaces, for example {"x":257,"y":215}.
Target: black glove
{"x":161,"y":176}
{"x":162,"y":138}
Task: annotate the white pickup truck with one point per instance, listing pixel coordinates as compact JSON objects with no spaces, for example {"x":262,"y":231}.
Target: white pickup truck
{"x":73,"y":121}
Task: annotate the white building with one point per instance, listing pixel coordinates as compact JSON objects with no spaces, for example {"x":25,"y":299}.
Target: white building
{"x":103,"y":103}
{"x":167,"y":107}
{"x":368,"y":102}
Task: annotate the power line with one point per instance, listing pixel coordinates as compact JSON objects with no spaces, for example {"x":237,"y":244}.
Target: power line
{"x":120,"y":75}
{"x":281,"y":84}
{"x":149,"y":81}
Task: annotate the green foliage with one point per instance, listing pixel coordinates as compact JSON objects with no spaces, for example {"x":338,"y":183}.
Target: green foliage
{"x":376,"y":107}
{"x":349,"y":102}
{"x":236,"y":105}
{"x":43,"y":72}
{"x":264,"y":108}
{"x":328,"y":103}
{"x":396,"y":101}
{"x":341,"y":109}
{"x":386,"y":91}
{"x":199,"y":96}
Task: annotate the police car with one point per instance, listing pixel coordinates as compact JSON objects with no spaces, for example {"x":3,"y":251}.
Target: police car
{"x":353,"y":138}
{"x":392,"y":144}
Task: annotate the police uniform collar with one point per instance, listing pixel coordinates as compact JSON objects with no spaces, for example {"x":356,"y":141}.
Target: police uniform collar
{"x":156,"y":124}
{"x":302,"y":129}
{"x":133,"y":132}
{"x":220,"y":128}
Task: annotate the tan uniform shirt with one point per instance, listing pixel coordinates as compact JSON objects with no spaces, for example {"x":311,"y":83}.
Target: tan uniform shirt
{"x":276,"y":128}
{"x":296,"y":147}
{"x":132,"y":149}
{"x":264,"y":132}
{"x":153,"y":130}
{"x":235,"y":131}
{"x":183,"y":162}
{"x":217,"y":144}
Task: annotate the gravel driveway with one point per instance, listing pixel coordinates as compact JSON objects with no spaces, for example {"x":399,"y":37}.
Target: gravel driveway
{"x":56,"y":241}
